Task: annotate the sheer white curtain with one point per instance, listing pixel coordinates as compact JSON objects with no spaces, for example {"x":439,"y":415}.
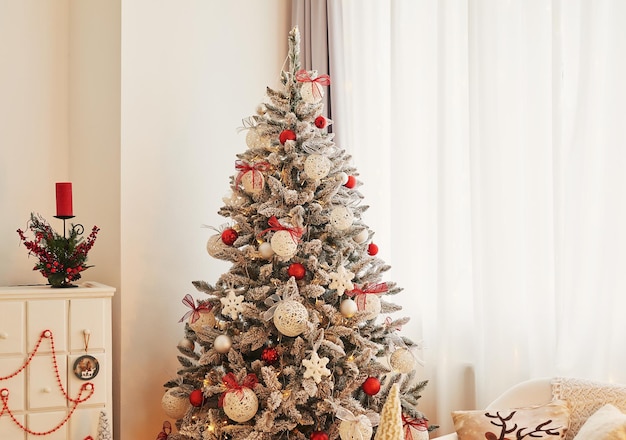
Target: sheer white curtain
{"x":491,"y":140}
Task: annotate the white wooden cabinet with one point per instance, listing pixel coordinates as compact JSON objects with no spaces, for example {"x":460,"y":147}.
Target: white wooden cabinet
{"x":78,"y":323}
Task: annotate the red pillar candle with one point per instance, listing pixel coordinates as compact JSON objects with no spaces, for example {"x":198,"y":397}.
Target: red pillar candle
{"x":64,"y":199}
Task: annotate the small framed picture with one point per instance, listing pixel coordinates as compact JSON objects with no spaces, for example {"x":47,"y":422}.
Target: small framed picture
{"x":86,"y":367}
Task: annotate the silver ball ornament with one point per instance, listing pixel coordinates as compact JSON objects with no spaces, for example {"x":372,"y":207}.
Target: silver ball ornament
{"x":362,"y":236}
{"x":348,"y":308}
{"x":222,"y":344}
{"x":266,"y":251}
{"x":186,"y":344}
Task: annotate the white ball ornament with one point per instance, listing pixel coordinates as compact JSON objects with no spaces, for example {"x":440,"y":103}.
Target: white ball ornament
{"x":266,"y":251}
{"x":253,"y":182}
{"x":308,"y":93}
{"x":342,"y":177}
{"x":222,"y":344}
{"x":341,"y":218}
{"x":241,"y":406}
{"x":362,"y":236}
{"x":355,"y":431}
{"x":371,"y":307}
{"x":317,"y":166}
{"x":174,"y":406}
{"x":206,"y":318}
{"x":283,"y":244}
{"x":348,"y":308}
{"x":290,"y":317}
{"x":215,"y":246}
{"x":252,"y":138}
{"x":402,"y":360}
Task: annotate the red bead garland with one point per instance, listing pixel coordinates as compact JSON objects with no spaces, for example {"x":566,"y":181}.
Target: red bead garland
{"x":4,"y":392}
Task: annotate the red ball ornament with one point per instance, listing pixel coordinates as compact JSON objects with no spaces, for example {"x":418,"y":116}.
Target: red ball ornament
{"x":351,"y":183}
{"x":269,"y":355}
{"x":286,"y":135}
{"x":372,"y":249}
{"x":318,"y":435}
{"x":297,"y":271}
{"x":229,"y":236}
{"x":371,"y":386}
{"x":196,"y":398}
{"x":320,"y":122}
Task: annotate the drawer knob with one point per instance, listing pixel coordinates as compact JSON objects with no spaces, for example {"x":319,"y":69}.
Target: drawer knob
{"x":47,"y":390}
{"x":4,"y":335}
{"x":4,"y":392}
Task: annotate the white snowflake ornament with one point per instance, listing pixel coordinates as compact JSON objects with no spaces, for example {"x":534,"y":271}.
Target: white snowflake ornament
{"x":341,"y":280}
{"x":232,"y":304}
{"x":316,"y":367}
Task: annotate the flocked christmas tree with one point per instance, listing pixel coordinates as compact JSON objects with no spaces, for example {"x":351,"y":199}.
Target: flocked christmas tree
{"x":290,"y":342}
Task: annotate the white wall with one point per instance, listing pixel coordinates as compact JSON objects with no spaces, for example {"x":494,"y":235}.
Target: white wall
{"x":137,"y":102}
{"x":191,"y":70}
{"x":34,"y":113}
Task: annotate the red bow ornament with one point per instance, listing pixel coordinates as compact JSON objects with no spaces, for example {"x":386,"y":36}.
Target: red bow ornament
{"x":360,"y":294}
{"x":232,"y":386}
{"x":195,"y":310}
{"x":411,"y":423}
{"x":275,"y":225}
{"x":316,"y":83}
{"x":256,"y":169}
{"x":167,"y":429}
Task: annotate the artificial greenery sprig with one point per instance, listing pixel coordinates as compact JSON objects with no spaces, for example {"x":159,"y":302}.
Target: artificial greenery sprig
{"x":61,"y":259}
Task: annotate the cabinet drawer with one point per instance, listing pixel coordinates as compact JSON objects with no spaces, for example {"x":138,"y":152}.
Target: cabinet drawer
{"x":84,"y":423}
{"x":47,"y":315}
{"x":16,"y":385}
{"x":87,"y":324}
{"x":12,"y":328}
{"x":44,"y":422}
{"x":43,"y":388}
{"x":9,"y":430}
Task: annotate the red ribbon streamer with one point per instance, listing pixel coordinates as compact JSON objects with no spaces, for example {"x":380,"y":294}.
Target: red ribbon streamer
{"x":411,"y":422}
{"x":167,"y":429}
{"x":231,"y":384}
{"x":322,"y":80}
{"x":244,"y":167}
{"x":369,"y":289}
{"x":195,"y":310}
{"x":275,"y":225}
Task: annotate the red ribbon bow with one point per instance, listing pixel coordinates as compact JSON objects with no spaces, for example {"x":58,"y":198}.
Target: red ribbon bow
{"x":231,"y":384}
{"x":388,"y":322}
{"x":195,"y":310}
{"x":167,"y":429}
{"x":368,"y":289}
{"x":244,"y":167}
{"x":275,"y":225}
{"x":411,"y":422}
{"x":322,"y":80}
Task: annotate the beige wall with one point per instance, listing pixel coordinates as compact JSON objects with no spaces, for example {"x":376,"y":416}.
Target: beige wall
{"x":137,"y":103}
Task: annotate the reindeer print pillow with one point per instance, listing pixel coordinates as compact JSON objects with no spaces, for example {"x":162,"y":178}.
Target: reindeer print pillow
{"x":549,"y":421}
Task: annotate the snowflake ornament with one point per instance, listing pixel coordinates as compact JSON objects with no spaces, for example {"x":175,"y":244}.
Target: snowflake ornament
{"x":232,"y":304}
{"x":316,"y":367}
{"x":341,"y":280}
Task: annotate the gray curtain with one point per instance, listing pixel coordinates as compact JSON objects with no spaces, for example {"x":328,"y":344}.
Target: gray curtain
{"x":312,"y":19}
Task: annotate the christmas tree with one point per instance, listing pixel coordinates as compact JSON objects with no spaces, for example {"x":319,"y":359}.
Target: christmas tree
{"x":289,"y":343}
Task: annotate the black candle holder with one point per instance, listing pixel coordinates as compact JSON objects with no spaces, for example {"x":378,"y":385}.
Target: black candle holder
{"x":75,"y":227}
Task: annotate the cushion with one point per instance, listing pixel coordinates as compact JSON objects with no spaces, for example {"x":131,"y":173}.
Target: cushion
{"x":585,"y":397}
{"x":607,"y":423}
{"x":549,"y":421}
